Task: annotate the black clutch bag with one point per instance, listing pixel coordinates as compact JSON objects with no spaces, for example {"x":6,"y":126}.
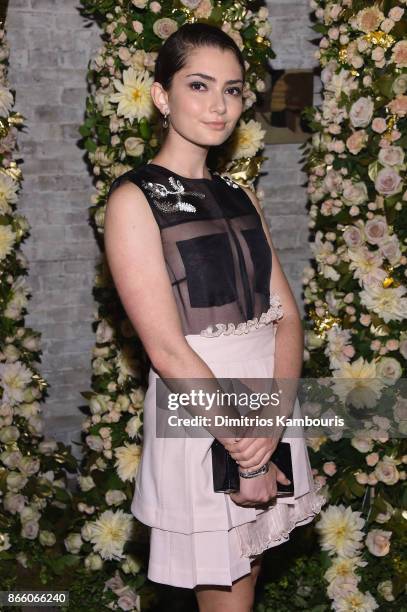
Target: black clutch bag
{"x":225,"y":470}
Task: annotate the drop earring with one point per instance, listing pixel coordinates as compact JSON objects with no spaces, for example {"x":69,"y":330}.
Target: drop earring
{"x":165,"y":121}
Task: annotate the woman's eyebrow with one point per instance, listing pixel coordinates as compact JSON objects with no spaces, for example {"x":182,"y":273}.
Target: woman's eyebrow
{"x":211,"y":78}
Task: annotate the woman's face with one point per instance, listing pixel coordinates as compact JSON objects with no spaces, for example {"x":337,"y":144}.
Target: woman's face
{"x":205,"y":98}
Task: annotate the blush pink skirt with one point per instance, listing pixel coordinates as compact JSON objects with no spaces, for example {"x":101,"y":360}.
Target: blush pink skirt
{"x":199,"y":537}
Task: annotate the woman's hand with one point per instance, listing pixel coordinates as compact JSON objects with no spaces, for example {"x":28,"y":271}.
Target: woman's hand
{"x":259,"y":490}
{"x":250,"y":453}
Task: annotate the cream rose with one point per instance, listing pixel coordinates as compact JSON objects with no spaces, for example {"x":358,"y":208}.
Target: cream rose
{"x":389,"y":369}
{"x":354,"y":193}
{"x":386,"y":471}
{"x":378,"y":542}
{"x":163,"y":28}
{"x":385,"y":588}
{"x":391,"y":156}
{"x":353,"y":236}
{"x":376,"y":229}
{"x":134,"y":146}
{"x":390,"y":249}
{"x":329,"y":468}
{"x":400,"y":84}
{"x":388,"y":182}
{"x":361,"y":112}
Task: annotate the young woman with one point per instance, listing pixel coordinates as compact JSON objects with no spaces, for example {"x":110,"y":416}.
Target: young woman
{"x":196,"y":271}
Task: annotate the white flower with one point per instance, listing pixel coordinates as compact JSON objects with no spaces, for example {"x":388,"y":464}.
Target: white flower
{"x":133,"y":95}
{"x":385,"y":588}
{"x":354,"y":193}
{"x":114,"y":497}
{"x":343,"y":568}
{"x":47,"y":447}
{"x":355,"y":602}
{"x":5,"y":543}
{"x":73,"y":543}
{"x":128,"y":599}
{"x":378,"y":542}
{"x":164,"y":27}
{"x":357,"y":383}
{"x":376,"y":229}
{"x":385,"y":516}
{"x":247,"y":139}
{"x":86,"y":483}
{"x":30,"y":530}
{"x":340,"y":530}
{"x":110,"y":533}
{"x":339,"y":348}
{"x":8,"y":192}
{"x":131,"y":565}
{"x":133,"y":426}
{"x":353,"y":236}
{"x":391,"y":156}
{"x":366,"y":265}
{"x":388,"y":303}
{"x":390,"y":249}
{"x":14,"y":379}
{"x":9,"y":434}
{"x":16,"y":481}
{"x":127,"y":460}
{"x":362,"y":441}
{"x":7,"y":240}
{"x":93,"y":562}
{"x":386,"y":471}
{"x":47,"y":538}
{"x":389,"y":370}
{"x":104,"y":332}
{"x":14,"y":502}
{"x":6,"y":101}
{"x":95,"y":443}
{"x":388,"y":182}
{"x":361,"y":112}
{"x":134,"y":146}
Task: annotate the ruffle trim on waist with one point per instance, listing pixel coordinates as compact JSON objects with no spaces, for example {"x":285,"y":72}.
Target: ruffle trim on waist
{"x":272,"y":527}
{"x":273,"y":314}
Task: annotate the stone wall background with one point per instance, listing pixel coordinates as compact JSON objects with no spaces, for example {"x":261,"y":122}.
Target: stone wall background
{"x":51,"y":45}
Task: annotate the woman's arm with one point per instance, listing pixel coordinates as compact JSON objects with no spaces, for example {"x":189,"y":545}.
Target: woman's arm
{"x":136,"y":260}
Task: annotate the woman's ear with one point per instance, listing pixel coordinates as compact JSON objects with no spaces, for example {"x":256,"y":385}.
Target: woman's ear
{"x":160,"y":97}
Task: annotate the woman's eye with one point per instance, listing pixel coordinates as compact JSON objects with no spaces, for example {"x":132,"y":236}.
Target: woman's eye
{"x":237,"y":91}
{"x":192,"y":85}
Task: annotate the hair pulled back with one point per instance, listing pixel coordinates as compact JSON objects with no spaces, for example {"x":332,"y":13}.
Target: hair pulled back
{"x":173,"y":54}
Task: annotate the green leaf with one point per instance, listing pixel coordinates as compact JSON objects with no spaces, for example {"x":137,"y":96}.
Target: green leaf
{"x":90,"y":145}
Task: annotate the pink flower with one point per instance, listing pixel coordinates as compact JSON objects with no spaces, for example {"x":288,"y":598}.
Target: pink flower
{"x":398,"y":106}
{"x":379,"y":125}
{"x":329,"y":468}
{"x":356,"y":141}
{"x":372,"y":459}
{"x":388,"y":181}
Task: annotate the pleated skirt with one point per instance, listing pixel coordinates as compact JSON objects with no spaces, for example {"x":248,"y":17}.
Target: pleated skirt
{"x":199,"y":537}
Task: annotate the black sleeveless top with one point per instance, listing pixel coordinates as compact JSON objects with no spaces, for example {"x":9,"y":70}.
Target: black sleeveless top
{"x":216,"y":252}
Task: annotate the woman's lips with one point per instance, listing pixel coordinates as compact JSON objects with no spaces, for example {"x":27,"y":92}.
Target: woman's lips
{"x":216,"y":125}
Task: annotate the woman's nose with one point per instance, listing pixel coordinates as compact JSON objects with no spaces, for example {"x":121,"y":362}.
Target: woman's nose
{"x":218,"y":102}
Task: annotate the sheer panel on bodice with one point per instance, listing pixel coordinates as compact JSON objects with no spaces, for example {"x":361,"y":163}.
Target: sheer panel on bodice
{"x":216,"y":252}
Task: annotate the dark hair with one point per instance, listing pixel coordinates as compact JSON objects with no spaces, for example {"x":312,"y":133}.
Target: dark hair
{"x":173,"y":54}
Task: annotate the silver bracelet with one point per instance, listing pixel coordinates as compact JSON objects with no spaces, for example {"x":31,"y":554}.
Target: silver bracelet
{"x":262,"y":470}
